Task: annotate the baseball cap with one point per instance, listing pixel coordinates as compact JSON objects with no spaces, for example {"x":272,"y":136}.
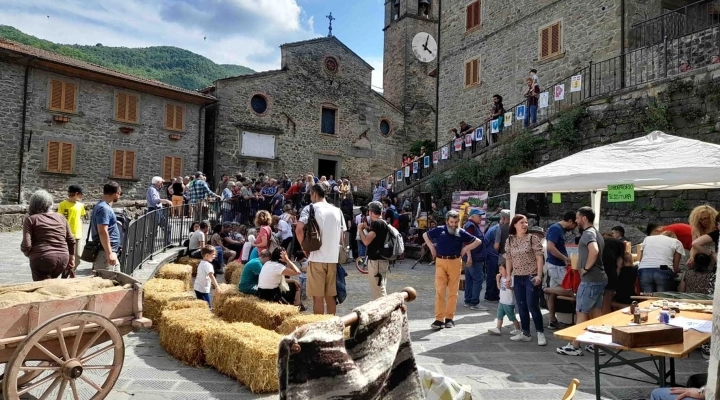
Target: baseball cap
{"x":75,"y":189}
{"x":199,"y":173}
{"x":476,"y":212}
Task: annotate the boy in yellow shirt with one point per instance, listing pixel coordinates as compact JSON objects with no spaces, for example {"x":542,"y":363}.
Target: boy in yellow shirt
{"x":74,"y":210}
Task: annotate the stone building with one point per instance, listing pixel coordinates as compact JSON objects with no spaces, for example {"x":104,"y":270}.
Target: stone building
{"x":64,"y":121}
{"x":317,"y":113}
{"x":488,"y":47}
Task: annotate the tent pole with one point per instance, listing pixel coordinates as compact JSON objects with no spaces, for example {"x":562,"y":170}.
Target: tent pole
{"x":596,"y":200}
{"x":513,"y":202}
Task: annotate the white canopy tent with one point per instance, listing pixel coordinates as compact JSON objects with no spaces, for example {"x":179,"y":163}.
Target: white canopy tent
{"x":657,"y":161}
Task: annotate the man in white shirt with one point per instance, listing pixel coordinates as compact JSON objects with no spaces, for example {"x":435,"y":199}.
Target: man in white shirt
{"x":659,"y":262}
{"x":322,"y":266}
{"x":285,"y":231}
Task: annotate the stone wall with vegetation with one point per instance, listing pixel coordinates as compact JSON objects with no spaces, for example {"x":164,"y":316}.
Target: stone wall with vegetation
{"x":687,"y":106}
{"x":13,"y":215}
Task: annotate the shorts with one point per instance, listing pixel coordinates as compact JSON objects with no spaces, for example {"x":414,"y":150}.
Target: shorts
{"x":321,"y":279}
{"x":589,"y":296}
{"x":506,"y":310}
{"x":556,"y":273}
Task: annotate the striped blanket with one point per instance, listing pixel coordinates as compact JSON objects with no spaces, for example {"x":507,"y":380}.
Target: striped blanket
{"x":376,"y":362}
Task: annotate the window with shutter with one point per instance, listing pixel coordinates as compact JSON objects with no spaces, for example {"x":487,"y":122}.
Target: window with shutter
{"x":472,"y":15}
{"x":126,"y":107}
{"x":124,"y":164}
{"x":179,"y":118}
{"x":59,"y":157}
{"x":328,"y":120}
{"x":551,"y":40}
{"x":472,"y":72}
{"x":174,"y":117}
{"x":172,"y":167}
{"x":62,"y":96}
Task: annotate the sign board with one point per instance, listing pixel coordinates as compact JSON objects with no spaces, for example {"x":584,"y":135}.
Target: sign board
{"x":576,"y":83}
{"x":556,"y":198}
{"x":560,"y":92}
{"x":544,"y":98}
{"x":623,"y":193}
{"x":257,"y":145}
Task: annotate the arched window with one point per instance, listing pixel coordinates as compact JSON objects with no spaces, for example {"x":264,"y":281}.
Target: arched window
{"x":385,"y":127}
{"x":259,"y":104}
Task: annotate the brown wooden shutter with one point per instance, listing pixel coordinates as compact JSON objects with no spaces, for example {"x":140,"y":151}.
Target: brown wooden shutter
{"x":66,"y":158}
{"x":121,"y":111}
{"x":129,"y":165}
{"x":167,"y":168}
{"x":545,"y":43}
{"x":132,"y":111}
{"x":177,"y":167}
{"x":118,"y":163}
{"x":468,"y":73}
{"x":469,"y":17}
{"x":555,"y":43}
{"x":179,"y":118}
{"x":56,"y":95}
{"x":53,"y":157}
{"x":475,"y":71}
{"x":169,"y":116}
{"x":69,"y":97}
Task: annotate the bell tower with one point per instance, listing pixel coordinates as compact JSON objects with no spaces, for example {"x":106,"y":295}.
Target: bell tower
{"x":410,"y":63}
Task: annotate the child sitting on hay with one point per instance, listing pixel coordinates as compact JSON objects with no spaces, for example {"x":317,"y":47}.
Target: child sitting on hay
{"x":206,"y":275}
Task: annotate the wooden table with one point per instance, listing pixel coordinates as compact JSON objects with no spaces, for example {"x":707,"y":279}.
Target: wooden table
{"x":658,"y":355}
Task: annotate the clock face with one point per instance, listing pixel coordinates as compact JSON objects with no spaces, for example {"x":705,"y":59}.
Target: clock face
{"x":424,"y":47}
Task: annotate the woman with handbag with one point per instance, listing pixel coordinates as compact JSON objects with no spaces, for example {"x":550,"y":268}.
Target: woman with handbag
{"x":524,"y":262}
{"x":47,"y":240}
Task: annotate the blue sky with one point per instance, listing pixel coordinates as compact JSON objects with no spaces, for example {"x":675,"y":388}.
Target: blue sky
{"x":246,"y":32}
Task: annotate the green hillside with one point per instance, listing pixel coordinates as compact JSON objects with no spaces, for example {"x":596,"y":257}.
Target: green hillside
{"x":166,"y":64}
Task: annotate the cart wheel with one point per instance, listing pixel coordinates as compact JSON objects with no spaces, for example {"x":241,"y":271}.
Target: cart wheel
{"x":361,"y":264}
{"x":81,"y":359}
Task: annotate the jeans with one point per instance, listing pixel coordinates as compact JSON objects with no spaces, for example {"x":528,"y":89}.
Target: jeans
{"x":527,"y":298}
{"x":474,"y":276}
{"x":656,"y":280}
{"x":662,"y":394}
{"x":531,"y":115}
{"x":492,"y":293}
{"x":362,"y":249}
{"x":203,"y":296}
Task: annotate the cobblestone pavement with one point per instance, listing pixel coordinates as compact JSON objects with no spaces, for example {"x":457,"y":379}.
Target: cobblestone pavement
{"x":494,"y":367}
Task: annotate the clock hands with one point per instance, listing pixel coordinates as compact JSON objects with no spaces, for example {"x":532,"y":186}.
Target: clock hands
{"x":426,"y":43}
{"x":426,"y":40}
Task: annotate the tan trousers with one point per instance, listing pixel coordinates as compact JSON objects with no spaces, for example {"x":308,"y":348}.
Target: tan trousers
{"x":447,"y":283}
{"x":376,"y":267}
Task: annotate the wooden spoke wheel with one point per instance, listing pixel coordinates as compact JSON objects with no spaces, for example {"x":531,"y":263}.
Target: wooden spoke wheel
{"x":81,"y":355}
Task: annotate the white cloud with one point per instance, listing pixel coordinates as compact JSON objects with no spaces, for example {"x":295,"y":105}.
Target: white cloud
{"x":245,"y":32}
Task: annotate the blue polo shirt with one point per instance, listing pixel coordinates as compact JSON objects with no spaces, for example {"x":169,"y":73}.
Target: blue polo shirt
{"x":447,"y":244}
{"x":489,"y":242}
{"x":479,"y":253}
{"x":556,"y":234}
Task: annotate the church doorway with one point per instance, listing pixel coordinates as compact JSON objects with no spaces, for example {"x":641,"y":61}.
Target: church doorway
{"x":326,"y":167}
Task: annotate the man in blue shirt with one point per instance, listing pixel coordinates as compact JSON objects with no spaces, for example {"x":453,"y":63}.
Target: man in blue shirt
{"x":557,"y":259}
{"x":447,"y":246}
{"x":154,"y":204}
{"x":104,"y":229}
{"x":475,"y":262}
{"x":492,"y":292}
{"x":379,"y":192}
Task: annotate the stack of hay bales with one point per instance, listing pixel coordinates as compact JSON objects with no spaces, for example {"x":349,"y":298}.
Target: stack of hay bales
{"x":290,"y":324}
{"x":251,"y":309}
{"x":245,"y":352}
{"x":193,"y":262}
{"x":158,"y":293}
{"x":231,"y":269}
{"x":183,"y":333}
{"x":179,"y":272}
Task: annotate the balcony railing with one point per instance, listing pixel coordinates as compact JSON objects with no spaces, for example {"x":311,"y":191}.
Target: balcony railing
{"x":676,"y":23}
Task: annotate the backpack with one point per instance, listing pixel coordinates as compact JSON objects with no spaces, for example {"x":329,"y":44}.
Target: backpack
{"x":394,"y":246}
{"x":123,"y":222}
{"x":312,"y":240}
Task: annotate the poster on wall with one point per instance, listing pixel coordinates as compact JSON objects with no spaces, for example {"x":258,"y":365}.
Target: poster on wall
{"x":468,"y":140}
{"x":575,"y":83}
{"x":436,"y":156}
{"x":399,"y":175}
{"x":560,"y":92}
{"x":445,"y":152}
{"x":508,"y":119}
{"x":479,"y":134}
{"x":520,"y":113}
{"x":465,"y":201}
{"x":458,"y":144}
{"x":495,"y":127}
{"x":543,"y":101}
{"x":415,"y":167}
{"x":426,"y":162}
{"x":407,"y":171}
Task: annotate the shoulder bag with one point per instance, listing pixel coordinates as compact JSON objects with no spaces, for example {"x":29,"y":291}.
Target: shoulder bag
{"x":312,"y":240}
{"x":91,"y":248}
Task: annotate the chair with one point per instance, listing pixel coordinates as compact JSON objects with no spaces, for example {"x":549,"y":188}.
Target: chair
{"x":572,"y":388}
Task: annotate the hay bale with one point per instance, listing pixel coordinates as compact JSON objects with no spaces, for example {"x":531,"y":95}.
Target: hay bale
{"x":158,"y":285}
{"x":236,"y":275}
{"x":182,"y":333}
{"x":230,"y":270}
{"x":176,"y":271}
{"x":227,"y":291}
{"x":155,"y":302}
{"x":245,"y":352}
{"x":291,"y":323}
{"x":193,"y":262}
{"x":251,"y":309}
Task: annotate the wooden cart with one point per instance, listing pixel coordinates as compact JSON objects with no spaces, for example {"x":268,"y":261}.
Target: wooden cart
{"x":69,"y":348}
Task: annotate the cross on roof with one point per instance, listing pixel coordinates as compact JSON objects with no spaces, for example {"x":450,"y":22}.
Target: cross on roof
{"x":331,"y":19}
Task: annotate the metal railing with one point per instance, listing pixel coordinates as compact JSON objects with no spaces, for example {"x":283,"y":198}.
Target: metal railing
{"x":635,"y":67}
{"x":676,"y":23}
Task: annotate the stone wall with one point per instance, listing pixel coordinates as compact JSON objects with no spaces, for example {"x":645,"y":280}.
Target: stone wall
{"x":94,"y":133}
{"x":295,"y":96}
{"x":507,"y":44}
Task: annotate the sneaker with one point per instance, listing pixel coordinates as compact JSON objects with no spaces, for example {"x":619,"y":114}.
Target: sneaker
{"x":437,"y":325}
{"x":542,"y":341}
{"x":492,"y":301}
{"x":520,"y":337}
{"x":494,"y":331}
{"x":515,"y":332}
{"x":705,"y":350}
{"x":554,"y":325}
{"x":449,"y":323}
{"x":466,"y":305}
{"x":570,"y":350}
{"x":478,"y":308}
{"x":591,"y":349}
